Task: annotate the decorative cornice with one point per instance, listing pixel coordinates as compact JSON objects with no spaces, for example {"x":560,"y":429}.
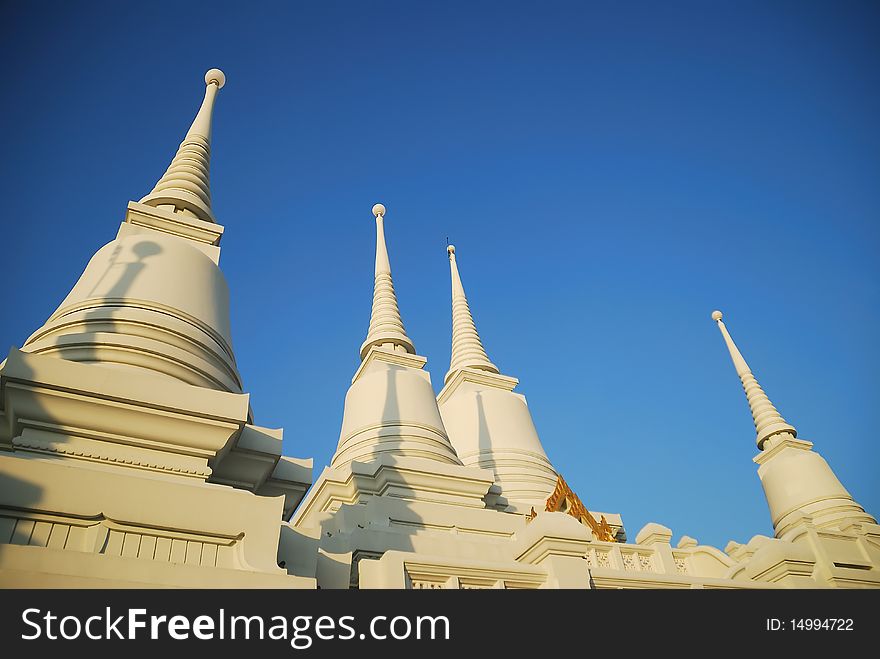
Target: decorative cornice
{"x":397,"y":478}
{"x":107,"y":454}
{"x":779,"y":444}
{"x":468,"y":374}
{"x":379,"y":354}
{"x":119,"y":407}
{"x":174,"y":224}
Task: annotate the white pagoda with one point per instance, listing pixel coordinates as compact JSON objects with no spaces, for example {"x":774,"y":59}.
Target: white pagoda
{"x":129,"y":456}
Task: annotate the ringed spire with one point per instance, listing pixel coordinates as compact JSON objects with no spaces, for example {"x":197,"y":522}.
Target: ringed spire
{"x":768,"y":421}
{"x":467,"y":348}
{"x":386,"y":325}
{"x":185,"y":185}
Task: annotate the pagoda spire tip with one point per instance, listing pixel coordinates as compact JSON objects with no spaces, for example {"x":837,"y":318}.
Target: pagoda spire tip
{"x":215,"y":76}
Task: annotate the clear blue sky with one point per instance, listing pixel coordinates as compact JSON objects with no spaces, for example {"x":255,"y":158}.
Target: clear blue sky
{"x":610,"y":174}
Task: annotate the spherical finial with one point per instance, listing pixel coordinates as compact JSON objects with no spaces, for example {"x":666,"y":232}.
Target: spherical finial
{"x":217,"y":76}
{"x":717,"y":315}
{"x":378,"y":210}
{"x":450,"y":249}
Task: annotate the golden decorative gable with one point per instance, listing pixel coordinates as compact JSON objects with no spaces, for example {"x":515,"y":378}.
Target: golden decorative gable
{"x":565,"y":500}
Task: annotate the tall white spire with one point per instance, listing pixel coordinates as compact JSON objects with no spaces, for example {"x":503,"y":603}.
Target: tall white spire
{"x":489,"y":424}
{"x":800,"y":486}
{"x":768,"y":421}
{"x":390,"y":409}
{"x":150,"y":299}
{"x":386,"y":326}
{"x":467,"y":349}
{"x":185,"y":186}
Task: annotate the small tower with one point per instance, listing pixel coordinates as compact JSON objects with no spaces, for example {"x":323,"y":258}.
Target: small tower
{"x":124,"y":414}
{"x":490,"y":426}
{"x":799,"y":484}
{"x":394,"y":460}
{"x":390,"y":408}
{"x":154,"y":299}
